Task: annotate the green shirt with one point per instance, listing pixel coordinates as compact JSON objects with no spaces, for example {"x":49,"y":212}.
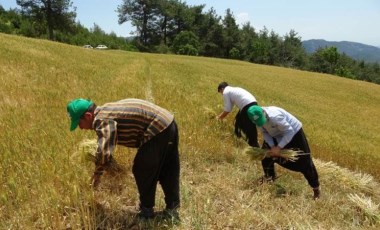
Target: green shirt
{"x":129,"y":122}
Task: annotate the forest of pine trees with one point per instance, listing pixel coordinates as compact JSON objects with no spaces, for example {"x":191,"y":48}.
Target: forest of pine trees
{"x":172,"y":26}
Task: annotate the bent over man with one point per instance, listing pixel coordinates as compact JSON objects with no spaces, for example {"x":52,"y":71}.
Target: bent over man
{"x":138,"y":124}
{"x":243,"y":100}
{"x":281,"y":130}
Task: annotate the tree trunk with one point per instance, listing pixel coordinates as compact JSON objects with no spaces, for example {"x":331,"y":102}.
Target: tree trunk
{"x":49,"y":19}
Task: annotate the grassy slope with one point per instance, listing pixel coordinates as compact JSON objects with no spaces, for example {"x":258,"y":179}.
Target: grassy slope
{"x":46,"y":182}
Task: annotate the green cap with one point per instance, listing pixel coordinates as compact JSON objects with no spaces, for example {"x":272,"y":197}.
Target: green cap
{"x":256,"y":115}
{"x":75,"y":109}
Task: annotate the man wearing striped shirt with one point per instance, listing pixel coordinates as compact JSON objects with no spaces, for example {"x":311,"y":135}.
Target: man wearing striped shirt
{"x":138,"y":124}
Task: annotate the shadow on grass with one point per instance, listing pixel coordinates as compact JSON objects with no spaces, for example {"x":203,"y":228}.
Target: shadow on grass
{"x":118,"y":219}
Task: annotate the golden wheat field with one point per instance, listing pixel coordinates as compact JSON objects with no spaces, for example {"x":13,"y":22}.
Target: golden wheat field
{"x":45,"y":175}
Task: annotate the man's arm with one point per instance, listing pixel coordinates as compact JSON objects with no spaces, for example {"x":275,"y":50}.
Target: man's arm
{"x":227,"y":106}
{"x":106,"y":131}
{"x":287,"y":135}
{"x":222,"y":115}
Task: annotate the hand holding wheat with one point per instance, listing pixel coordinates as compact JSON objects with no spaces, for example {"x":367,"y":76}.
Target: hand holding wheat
{"x":259,"y":153}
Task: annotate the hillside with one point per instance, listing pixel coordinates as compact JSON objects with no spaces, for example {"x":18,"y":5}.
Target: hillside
{"x":45,"y":175}
{"x":355,"y":50}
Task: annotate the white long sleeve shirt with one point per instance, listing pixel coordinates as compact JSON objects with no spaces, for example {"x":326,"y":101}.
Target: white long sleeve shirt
{"x":236,"y":96}
{"x":280,"y":125}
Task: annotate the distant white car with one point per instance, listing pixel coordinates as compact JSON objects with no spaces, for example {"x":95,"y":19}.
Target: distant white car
{"x":88,"y":47}
{"x":101,"y":47}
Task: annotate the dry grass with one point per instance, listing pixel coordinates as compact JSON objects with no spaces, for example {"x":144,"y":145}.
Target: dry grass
{"x":45,"y":174}
{"x":367,"y":211}
{"x":357,"y":181}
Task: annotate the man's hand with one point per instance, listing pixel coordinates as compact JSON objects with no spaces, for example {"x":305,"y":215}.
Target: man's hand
{"x":275,"y":151}
{"x":218,"y":118}
{"x":222,"y":115}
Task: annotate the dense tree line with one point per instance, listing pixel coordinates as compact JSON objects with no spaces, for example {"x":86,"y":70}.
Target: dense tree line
{"x":55,"y":20}
{"x":172,"y":26}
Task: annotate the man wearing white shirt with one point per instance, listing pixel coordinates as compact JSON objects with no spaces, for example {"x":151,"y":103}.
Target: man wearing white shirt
{"x":243,"y":100}
{"x":281,"y":130}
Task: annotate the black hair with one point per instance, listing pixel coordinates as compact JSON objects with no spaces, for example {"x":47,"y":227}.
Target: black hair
{"x":222,"y":85}
{"x":91,"y":108}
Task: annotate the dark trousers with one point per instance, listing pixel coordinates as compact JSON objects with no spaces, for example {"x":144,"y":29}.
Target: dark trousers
{"x":243,"y":123}
{"x":158,"y":161}
{"x":304,"y":164}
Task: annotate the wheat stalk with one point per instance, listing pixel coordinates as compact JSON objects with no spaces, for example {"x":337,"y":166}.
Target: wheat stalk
{"x":347,"y":178}
{"x":87,"y":151}
{"x":260,"y":154}
{"x":368,"y":208}
{"x":210,"y":113}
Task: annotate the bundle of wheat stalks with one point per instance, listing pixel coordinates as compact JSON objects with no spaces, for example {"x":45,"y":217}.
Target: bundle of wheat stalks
{"x":365,"y":205}
{"x":210,"y":113}
{"x":259,"y":153}
{"x":88,"y":147}
{"x":348,"y":179}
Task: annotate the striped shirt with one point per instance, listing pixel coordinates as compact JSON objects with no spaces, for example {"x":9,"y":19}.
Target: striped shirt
{"x":129,"y":122}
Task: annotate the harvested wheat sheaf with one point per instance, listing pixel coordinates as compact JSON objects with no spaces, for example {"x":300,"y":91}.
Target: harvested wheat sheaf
{"x":210,"y":113}
{"x":350,"y":179}
{"x":85,"y":152}
{"x":259,"y":154}
{"x":367,"y":207}
{"x":88,"y":149}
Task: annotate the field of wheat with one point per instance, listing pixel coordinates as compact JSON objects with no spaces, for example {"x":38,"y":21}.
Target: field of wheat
{"x":45,"y":174}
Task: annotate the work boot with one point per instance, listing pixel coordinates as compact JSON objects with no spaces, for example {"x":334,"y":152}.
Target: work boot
{"x":140,"y":211}
{"x":317,"y":193}
{"x":266,"y":179}
{"x":169,"y":214}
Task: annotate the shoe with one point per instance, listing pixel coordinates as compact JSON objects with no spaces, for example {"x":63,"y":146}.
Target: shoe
{"x":317,"y":193}
{"x":266,"y":179}
{"x":169,"y":214}
{"x":140,"y":211}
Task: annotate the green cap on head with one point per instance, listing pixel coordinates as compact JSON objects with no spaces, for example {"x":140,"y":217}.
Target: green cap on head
{"x":75,"y":109}
{"x":256,"y":115}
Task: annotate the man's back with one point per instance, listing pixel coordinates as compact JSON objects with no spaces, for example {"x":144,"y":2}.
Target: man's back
{"x":135,"y":121}
{"x":236,"y":96}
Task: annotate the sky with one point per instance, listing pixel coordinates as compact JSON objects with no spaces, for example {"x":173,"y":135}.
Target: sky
{"x":331,"y":20}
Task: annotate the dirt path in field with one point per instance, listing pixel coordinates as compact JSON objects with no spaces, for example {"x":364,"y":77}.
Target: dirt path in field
{"x":148,"y":91}
{"x":148,"y":88}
